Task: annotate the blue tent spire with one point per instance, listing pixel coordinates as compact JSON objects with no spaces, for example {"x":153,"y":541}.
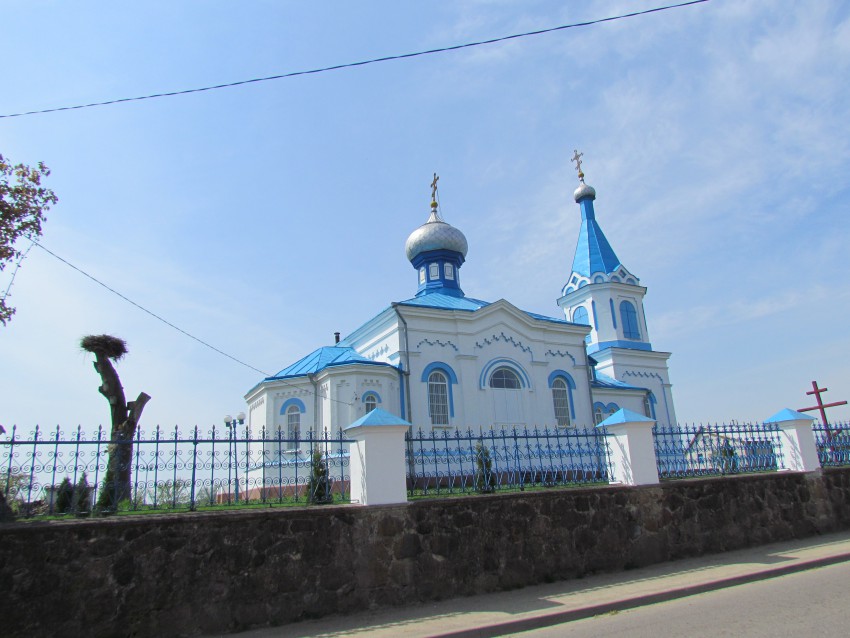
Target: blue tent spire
{"x":593,"y":252}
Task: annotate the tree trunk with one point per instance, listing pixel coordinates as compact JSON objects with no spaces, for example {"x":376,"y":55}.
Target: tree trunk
{"x":125,"y":417}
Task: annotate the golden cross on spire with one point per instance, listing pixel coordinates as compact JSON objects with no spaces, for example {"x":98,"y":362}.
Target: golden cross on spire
{"x":434,"y":187}
{"x":577,"y":159}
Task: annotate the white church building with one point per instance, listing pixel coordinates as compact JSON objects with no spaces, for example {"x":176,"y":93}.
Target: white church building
{"x":444,"y":360}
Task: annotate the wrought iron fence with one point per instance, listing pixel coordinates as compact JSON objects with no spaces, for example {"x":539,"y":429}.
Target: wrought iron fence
{"x":463,"y":462}
{"x":833,"y":443}
{"x":50,"y":474}
{"x":684,"y":451}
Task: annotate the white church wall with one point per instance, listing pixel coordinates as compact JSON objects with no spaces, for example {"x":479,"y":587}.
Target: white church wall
{"x":471,"y":346}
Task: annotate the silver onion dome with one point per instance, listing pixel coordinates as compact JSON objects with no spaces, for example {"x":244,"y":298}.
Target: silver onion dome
{"x":584,"y":191}
{"x":435,"y":234}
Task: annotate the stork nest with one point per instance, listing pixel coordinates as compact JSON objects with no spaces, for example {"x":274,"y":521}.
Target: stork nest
{"x":107,"y":345}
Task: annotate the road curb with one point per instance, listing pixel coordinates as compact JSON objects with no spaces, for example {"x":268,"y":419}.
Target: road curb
{"x":556,"y":618}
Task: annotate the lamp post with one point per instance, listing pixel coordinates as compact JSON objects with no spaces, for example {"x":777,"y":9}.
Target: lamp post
{"x":230,"y":423}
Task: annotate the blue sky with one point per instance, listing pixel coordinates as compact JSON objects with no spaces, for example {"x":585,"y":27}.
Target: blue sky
{"x":263,"y":218}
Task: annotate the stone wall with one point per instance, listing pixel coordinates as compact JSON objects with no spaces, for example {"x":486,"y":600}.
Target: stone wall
{"x":218,"y":572}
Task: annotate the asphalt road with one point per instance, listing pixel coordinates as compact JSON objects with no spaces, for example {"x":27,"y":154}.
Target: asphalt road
{"x":809,"y":603}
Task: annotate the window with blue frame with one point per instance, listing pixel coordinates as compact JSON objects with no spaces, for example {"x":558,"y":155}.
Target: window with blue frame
{"x":370,"y":403}
{"x":561,"y":401}
{"x":438,"y":398}
{"x":628,"y":317}
{"x":293,"y":422}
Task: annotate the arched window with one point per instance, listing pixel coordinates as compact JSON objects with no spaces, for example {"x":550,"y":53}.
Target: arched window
{"x":580,"y":316}
{"x":370,"y":402}
{"x":293,"y":422}
{"x":602,"y":411}
{"x":438,"y":398}
{"x":505,"y":378}
{"x":628,"y":316}
{"x":560,"y":399}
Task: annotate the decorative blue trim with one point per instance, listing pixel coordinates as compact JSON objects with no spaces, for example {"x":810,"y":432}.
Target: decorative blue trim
{"x":613,"y":313}
{"x":593,"y":308}
{"x":440,"y":284}
{"x":293,"y":401}
{"x":571,"y":385}
{"x":565,"y":375}
{"x":443,"y":367}
{"x":370,"y":393}
{"x":508,"y":363}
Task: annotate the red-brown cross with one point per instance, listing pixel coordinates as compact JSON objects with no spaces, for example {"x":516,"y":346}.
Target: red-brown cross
{"x":821,"y":406}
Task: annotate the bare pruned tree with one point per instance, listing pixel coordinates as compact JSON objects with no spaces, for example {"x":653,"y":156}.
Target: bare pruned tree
{"x":125,"y":418}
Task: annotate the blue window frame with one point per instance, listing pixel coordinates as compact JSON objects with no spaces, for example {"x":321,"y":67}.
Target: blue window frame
{"x":628,"y":316}
{"x":439,"y":378}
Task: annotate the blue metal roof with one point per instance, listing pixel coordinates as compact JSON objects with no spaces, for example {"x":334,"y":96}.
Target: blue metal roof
{"x":322,"y":358}
{"x":604,"y":381}
{"x":378,"y":417}
{"x":625,"y":416}
{"x":788,"y":414}
{"x":593,"y":252}
{"x":445,"y":302}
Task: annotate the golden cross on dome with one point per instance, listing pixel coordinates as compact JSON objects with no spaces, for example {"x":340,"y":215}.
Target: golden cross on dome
{"x":577,"y":159}
{"x":434,"y":187}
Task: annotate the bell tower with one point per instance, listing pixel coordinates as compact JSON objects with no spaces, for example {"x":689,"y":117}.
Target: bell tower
{"x":602,"y":293}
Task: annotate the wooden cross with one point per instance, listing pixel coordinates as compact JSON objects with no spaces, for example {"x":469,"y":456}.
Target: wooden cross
{"x":577,"y":159}
{"x":434,"y":187}
{"x":821,"y":406}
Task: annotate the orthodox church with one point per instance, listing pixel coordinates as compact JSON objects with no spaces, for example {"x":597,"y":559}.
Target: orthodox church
{"x":443,"y":360}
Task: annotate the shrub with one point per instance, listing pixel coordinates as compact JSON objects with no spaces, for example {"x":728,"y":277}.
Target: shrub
{"x":483,"y":469}
{"x":319,"y":485}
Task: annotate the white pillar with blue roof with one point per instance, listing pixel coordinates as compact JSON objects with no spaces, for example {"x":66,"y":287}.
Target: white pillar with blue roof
{"x":378,"y":471}
{"x":797,"y":440}
{"x":632,"y":448}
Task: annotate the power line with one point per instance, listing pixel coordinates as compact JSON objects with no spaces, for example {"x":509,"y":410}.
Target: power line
{"x":168,"y":323}
{"x":152,"y":314}
{"x":349,"y":65}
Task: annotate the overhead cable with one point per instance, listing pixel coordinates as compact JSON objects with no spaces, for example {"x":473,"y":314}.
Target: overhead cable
{"x":171,"y":325}
{"x":337,"y":67}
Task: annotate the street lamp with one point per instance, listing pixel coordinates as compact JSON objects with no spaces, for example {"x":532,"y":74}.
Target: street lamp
{"x":230,"y":423}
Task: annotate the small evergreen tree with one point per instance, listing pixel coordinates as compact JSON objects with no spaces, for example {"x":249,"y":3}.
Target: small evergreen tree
{"x":64,"y":496}
{"x":82,"y":496}
{"x":483,"y":469}
{"x":319,"y":485}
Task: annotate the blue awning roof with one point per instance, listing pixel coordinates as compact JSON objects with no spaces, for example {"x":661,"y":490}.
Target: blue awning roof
{"x":604,"y":381}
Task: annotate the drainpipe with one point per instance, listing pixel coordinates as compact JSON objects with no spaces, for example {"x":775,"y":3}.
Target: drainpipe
{"x":406,"y":362}
{"x":411,"y":465}
{"x":315,"y":383}
{"x":591,"y":376}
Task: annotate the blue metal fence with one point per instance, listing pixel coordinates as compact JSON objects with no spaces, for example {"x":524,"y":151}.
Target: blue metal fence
{"x":833,"y":443}
{"x":44,"y":474}
{"x":686,"y":451}
{"x":462,"y":462}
